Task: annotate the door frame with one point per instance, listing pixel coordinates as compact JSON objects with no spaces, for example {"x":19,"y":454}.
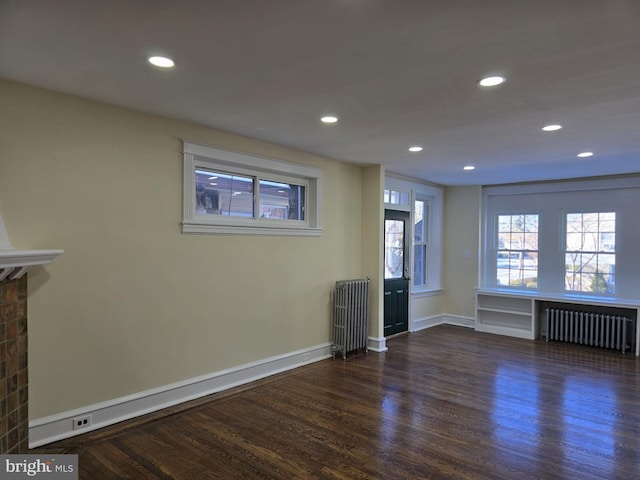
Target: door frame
{"x":403,"y":215}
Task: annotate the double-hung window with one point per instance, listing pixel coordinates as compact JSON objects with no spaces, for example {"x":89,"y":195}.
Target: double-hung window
{"x":420,"y":242}
{"x":425,"y":204}
{"x":231,"y":192}
{"x":590,"y":252}
{"x":517,"y":252}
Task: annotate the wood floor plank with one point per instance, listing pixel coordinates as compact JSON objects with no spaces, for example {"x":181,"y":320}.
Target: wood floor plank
{"x":442,"y":403}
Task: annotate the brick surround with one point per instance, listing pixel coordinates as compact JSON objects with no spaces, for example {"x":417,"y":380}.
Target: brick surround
{"x":14,"y":396}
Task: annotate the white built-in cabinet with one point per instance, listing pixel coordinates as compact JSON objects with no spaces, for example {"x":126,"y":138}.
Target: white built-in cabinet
{"x":506,"y":315}
{"x":516,"y":313}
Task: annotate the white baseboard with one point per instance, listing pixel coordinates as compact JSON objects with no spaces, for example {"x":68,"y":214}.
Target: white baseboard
{"x":444,"y":319}
{"x":60,"y":426}
{"x":459,"y":320}
{"x":377,"y":344}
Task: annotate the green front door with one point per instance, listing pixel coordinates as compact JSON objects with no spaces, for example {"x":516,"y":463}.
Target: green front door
{"x":396,"y":272}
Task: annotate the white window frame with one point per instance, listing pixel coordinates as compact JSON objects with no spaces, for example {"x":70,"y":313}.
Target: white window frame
{"x":433,"y":196}
{"x":433,"y":200}
{"x":495,"y":246}
{"x":552,"y":201}
{"x":204,"y":157}
{"x":596,"y":252}
{"x":426,"y":226}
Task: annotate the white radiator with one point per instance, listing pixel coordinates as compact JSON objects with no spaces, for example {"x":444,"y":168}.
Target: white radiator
{"x":350,"y":316}
{"x":614,"y":332}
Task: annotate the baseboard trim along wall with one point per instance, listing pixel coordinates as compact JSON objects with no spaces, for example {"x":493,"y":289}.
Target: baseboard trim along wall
{"x":444,"y":319}
{"x":377,"y":344}
{"x":60,"y":426}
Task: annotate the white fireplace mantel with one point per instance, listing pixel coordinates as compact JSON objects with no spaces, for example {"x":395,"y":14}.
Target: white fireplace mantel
{"x":14,"y":263}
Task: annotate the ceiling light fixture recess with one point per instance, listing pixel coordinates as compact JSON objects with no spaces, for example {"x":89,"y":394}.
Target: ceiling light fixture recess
{"x":469,"y":167}
{"x":585,"y":154}
{"x":551,"y":128}
{"x":329,"y":119}
{"x":491,"y":81}
{"x":162,"y":62}
{"x":415,"y":148}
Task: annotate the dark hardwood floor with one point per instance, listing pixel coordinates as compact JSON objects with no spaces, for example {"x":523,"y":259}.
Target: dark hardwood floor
{"x":442,"y":403}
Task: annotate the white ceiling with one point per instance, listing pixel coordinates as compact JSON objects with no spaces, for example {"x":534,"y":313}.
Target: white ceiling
{"x":396,"y":72}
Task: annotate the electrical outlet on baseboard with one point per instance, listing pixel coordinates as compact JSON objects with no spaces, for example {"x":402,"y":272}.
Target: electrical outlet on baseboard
{"x":82,"y":422}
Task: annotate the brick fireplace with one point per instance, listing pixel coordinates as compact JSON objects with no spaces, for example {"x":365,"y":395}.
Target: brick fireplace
{"x":14,"y":374}
{"x":14,"y":400}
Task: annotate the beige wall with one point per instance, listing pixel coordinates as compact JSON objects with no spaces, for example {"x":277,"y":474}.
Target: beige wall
{"x":427,"y":306}
{"x":461,"y":227}
{"x":372,"y":244}
{"x":134,"y":304}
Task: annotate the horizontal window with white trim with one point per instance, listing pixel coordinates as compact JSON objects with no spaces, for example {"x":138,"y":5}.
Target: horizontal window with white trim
{"x":236,"y":193}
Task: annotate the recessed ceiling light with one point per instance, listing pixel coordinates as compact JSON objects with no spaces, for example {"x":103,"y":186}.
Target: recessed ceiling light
{"x":491,"y":81}
{"x":585,"y":154}
{"x":469,"y":167}
{"x":551,"y":128}
{"x":162,"y":62}
{"x":329,"y":119}
{"x":415,"y":148}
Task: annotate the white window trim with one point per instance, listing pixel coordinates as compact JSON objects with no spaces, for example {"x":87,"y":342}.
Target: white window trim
{"x":433,"y":204}
{"x":552,"y":201}
{"x":434,"y":197}
{"x":426,"y":292}
{"x":427,"y":200}
{"x":212,"y":158}
{"x":492,"y":252}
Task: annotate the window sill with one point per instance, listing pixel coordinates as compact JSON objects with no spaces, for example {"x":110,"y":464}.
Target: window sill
{"x":428,"y":292}
{"x":562,"y":297}
{"x":249,"y":230}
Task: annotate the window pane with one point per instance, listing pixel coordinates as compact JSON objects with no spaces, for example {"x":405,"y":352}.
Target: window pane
{"x":607,"y":242}
{"x":219,"y":193}
{"x":574,"y":242}
{"x":531,"y":223}
{"x":503,"y":276}
{"x":517,"y":223}
{"x":395,"y":197}
{"x":420,"y":265}
{"x":393,"y":249}
{"x":572,"y":272}
{"x":419,"y":221}
{"x":283,"y":201}
{"x":590,"y":241}
{"x":515,"y":278}
{"x":531,"y":241}
{"x":504,"y":240}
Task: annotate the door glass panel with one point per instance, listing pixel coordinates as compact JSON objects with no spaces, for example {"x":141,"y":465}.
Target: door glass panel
{"x":393,"y":249}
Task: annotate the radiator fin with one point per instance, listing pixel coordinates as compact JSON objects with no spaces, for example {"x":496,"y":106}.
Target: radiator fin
{"x":615,"y":332}
{"x":350,"y":316}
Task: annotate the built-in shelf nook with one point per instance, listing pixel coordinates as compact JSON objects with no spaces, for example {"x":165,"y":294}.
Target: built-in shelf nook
{"x":519,"y":313}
